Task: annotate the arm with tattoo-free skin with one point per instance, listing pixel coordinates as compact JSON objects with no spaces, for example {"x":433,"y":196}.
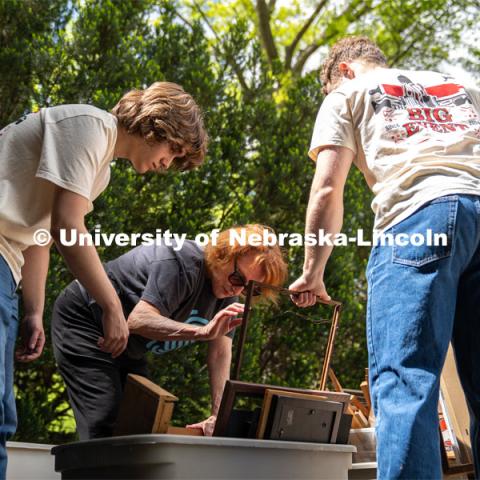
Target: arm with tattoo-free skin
{"x":219,"y":360}
{"x":324,"y":212}
{"x":69,"y":210}
{"x":147,"y":321}
{"x":34,"y":277}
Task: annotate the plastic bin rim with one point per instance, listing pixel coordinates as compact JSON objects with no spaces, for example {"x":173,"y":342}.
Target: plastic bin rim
{"x":153,"y":439}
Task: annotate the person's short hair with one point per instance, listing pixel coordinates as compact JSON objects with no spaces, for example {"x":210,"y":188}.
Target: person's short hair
{"x":223,"y":250}
{"x":165,"y":112}
{"x":348,"y":49}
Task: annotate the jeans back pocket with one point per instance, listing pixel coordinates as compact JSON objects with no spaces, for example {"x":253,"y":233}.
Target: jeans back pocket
{"x":430,"y":231}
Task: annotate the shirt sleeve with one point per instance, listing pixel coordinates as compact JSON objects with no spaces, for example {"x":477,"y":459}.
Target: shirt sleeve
{"x":474,"y":94}
{"x":166,"y":288}
{"x":73,"y":152}
{"x":333,"y":126}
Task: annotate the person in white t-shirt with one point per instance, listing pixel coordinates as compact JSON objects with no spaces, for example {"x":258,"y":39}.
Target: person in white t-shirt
{"x":415,"y":135}
{"x":53,"y":164}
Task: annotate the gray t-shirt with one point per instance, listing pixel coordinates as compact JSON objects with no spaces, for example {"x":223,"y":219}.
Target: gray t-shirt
{"x":175,"y":282}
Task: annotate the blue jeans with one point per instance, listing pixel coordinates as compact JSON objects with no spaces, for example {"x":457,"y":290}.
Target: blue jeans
{"x":8,"y":335}
{"x":419,"y":299}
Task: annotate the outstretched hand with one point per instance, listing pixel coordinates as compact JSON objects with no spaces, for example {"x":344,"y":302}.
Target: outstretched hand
{"x":223,"y":322}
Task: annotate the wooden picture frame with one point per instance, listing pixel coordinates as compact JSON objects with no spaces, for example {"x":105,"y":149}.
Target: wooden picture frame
{"x":234,"y":389}
{"x":337,"y":308}
{"x":267,"y":402}
{"x":145,"y":408}
{"x":317,"y":419}
{"x":455,"y":443}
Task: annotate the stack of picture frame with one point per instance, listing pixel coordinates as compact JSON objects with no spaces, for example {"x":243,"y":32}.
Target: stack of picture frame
{"x":284,"y":413}
{"x":291,"y":414}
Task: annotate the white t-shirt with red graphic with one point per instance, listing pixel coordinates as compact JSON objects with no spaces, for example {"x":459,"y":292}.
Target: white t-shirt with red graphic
{"x":415,"y":135}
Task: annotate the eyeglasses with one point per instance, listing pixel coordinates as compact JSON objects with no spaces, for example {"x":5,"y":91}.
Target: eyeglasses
{"x":238,"y":280}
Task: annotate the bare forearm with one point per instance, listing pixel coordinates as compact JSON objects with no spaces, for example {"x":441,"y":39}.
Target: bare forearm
{"x":219,"y":372}
{"x":324,"y":213}
{"x":85,"y":265}
{"x":34,"y":277}
{"x":68,"y":212}
{"x":158,"y":327}
{"x":325,"y":205}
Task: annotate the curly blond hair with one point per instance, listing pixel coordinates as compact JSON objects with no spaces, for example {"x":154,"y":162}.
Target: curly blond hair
{"x":348,"y":49}
{"x":269,"y":257}
{"x":165,"y":112}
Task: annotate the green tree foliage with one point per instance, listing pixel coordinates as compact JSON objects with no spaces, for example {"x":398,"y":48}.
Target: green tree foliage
{"x":467,"y":54}
{"x":253,"y":67}
{"x":28,"y":36}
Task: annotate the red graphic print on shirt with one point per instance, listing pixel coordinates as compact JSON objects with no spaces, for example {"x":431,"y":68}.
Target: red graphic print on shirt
{"x":442,"y":109}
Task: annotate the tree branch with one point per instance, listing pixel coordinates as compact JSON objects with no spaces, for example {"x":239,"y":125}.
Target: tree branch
{"x":401,"y":54}
{"x":304,"y":55}
{"x":348,"y":12}
{"x":271,"y":6}
{"x":183,"y":19}
{"x":236,"y":68}
{"x":290,"y":49}
{"x":266,"y":36}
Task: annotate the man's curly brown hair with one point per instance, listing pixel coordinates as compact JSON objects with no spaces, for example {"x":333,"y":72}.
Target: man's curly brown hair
{"x":348,"y":49}
{"x":165,"y":112}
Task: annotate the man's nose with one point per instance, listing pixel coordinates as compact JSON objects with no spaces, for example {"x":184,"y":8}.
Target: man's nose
{"x":167,"y":161}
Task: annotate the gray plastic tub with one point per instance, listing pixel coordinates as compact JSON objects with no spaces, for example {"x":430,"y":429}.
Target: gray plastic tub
{"x":186,"y":457}
{"x":28,"y":461}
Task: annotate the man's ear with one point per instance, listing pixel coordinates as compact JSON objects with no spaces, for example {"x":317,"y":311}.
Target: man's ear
{"x":345,"y":70}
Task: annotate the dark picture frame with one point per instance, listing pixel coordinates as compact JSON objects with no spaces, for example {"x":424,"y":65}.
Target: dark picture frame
{"x":337,"y":308}
{"x":234,"y":389}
